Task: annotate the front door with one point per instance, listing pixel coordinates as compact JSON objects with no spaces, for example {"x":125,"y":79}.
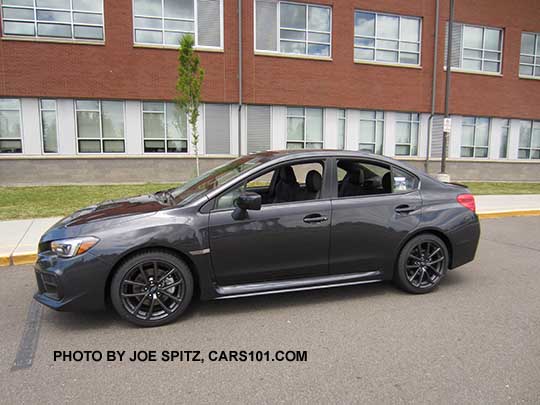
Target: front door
{"x":288,"y":238}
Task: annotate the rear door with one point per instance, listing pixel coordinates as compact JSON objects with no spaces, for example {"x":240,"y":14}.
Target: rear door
{"x":367,"y":228}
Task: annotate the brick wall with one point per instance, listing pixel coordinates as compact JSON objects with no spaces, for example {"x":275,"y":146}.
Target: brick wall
{"x":120,"y":70}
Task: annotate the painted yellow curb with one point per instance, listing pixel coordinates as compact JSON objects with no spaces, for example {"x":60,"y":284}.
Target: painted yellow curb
{"x":504,"y":214}
{"x":24,"y":258}
{"x":4,"y":261}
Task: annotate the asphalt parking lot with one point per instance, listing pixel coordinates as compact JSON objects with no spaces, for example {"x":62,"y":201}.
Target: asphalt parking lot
{"x":474,"y":340}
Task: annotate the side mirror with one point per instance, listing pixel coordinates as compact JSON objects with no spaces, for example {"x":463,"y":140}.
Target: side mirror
{"x":246,"y":201}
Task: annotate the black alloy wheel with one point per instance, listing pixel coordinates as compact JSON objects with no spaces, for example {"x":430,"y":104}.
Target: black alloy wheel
{"x":152,"y":288}
{"x":422,"y":264}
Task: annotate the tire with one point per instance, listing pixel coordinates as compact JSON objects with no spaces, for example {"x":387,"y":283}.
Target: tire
{"x":422,"y":264}
{"x":152,"y":288}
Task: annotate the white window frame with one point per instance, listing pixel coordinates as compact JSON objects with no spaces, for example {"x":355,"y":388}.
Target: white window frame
{"x":342,"y":120}
{"x":505,"y":126}
{"x":101,"y":138}
{"x":41,"y":110}
{"x":195,"y":34}
{"x":71,"y":23}
{"x":399,"y":40}
{"x":533,"y":125}
{"x":278,"y":32}
{"x":379,"y":117}
{"x":473,"y":146}
{"x":165,"y":138}
{"x":483,"y":49}
{"x":20,"y":138}
{"x":304,"y":141}
{"x":411,"y":121}
{"x":535,"y":56}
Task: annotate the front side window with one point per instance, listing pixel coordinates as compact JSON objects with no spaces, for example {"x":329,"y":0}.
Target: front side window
{"x":293,"y":28}
{"x":100,"y":126}
{"x":529,"y":58}
{"x":505,"y":130}
{"x":477,"y":49}
{"x":304,"y":128}
{"x":48,"y":125}
{"x":475,"y":137}
{"x":371,"y":131}
{"x":342,"y":125}
{"x":164,"y":128}
{"x":386,"y":38}
{"x":287,"y":183}
{"x":10,"y":125}
{"x":407,"y":134}
{"x":529,"y":140}
{"x":165,"y":22}
{"x":61,"y":19}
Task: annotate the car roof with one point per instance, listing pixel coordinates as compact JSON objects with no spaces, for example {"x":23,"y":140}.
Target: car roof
{"x":284,"y":155}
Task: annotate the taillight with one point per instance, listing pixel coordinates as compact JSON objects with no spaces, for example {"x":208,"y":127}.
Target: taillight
{"x":467,"y":200}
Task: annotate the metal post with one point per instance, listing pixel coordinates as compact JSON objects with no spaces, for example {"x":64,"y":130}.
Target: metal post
{"x":239,"y":77}
{"x":447,"y":90}
{"x":433,"y":85}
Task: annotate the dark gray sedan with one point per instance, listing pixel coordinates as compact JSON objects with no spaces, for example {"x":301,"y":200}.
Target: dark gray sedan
{"x":266,"y":223}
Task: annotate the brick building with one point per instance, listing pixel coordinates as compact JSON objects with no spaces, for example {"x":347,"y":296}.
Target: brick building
{"x":86,"y":85}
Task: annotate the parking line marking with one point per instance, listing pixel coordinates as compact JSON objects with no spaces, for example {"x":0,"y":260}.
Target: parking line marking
{"x":30,"y":337}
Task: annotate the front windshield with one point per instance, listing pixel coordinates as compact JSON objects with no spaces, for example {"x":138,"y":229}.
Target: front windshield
{"x":216,"y":177}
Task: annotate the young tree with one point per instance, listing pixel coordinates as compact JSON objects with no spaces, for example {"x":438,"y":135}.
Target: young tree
{"x":188,"y":88}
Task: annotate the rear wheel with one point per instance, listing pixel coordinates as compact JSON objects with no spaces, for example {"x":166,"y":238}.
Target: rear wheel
{"x":422,"y":264}
{"x":152,"y":288}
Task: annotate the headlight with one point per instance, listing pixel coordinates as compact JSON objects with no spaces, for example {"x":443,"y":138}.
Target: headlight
{"x":73,"y":247}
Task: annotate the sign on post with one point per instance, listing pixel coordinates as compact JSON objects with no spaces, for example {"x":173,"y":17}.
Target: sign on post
{"x":447,"y":125}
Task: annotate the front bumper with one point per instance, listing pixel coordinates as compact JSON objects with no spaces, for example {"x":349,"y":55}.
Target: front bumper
{"x":74,"y":284}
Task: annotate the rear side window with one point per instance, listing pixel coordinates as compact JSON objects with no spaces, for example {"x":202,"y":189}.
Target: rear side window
{"x":403,"y":181}
{"x":361,"y":178}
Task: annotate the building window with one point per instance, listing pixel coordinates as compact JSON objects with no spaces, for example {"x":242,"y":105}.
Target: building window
{"x":61,"y":19}
{"x":529,"y":60}
{"x":304,"y":128}
{"x":386,"y":38}
{"x":100,"y":126}
{"x":10,"y":126}
{"x":342,"y":125}
{"x":371,"y":131}
{"x":529,"y":140}
{"x":407,"y":134}
{"x":164,"y":128}
{"x":505,"y":130}
{"x":48,"y":125}
{"x":165,"y":22}
{"x":475,"y":137}
{"x":293,"y":28}
{"x":478,"y":49}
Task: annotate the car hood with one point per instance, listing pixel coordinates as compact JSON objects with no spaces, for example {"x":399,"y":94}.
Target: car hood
{"x":113,"y":209}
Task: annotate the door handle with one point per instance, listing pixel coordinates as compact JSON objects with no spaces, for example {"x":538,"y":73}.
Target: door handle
{"x":314,"y":218}
{"x":404,"y":209}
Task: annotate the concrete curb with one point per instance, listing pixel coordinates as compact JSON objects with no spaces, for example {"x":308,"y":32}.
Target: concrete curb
{"x":30,"y":257}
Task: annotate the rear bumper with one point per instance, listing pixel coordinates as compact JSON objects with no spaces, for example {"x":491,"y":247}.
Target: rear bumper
{"x":75,"y":284}
{"x":464,"y":242}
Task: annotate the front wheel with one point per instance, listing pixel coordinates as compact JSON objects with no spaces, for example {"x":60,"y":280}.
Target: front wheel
{"x":422,"y":264}
{"x":152,"y":288}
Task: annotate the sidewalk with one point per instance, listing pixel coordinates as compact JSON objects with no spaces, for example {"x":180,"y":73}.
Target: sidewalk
{"x":19,"y":238}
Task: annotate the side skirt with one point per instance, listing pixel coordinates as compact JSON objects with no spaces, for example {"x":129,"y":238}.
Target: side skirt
{"x":312,"y":283}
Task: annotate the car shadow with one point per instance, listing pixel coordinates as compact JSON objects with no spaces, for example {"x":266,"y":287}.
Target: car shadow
{"x":287,"y":300}
{"x":80,"y":321}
